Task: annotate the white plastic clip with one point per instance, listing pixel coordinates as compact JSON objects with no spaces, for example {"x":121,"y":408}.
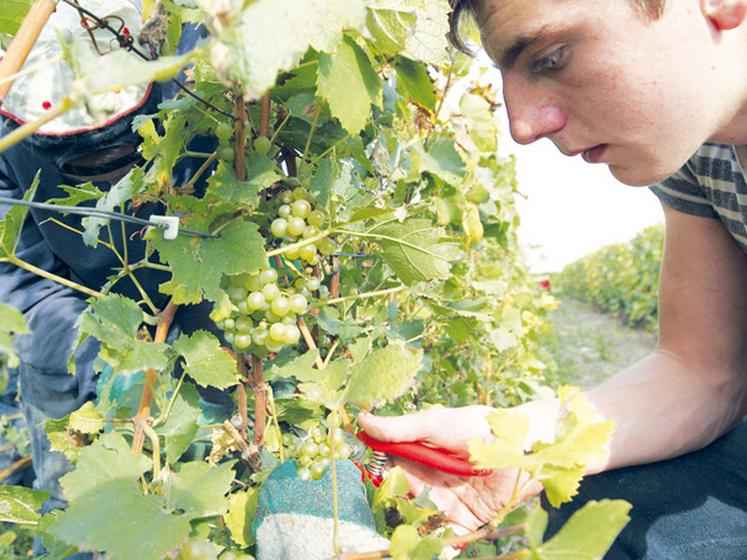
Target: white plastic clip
{"x":172,"y":225}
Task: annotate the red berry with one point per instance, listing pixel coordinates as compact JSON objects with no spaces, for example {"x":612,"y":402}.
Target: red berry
{"x":46,"y":105}
{"x":126,"y":31}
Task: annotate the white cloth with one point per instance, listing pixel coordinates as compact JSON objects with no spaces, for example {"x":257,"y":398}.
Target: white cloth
{"x":33,"y":94}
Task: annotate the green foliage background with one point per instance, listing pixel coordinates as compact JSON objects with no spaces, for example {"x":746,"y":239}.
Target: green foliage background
{"x":622,"y":278}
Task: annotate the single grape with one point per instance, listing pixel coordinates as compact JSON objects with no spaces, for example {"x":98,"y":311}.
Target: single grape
{"x":298,"y":303}
{"x":243,"y":307}
{"x":316,"y":219}
{"x":226,"y":153}
{"x":310,"y":231}
{"x":244,"y":324}
{"x":242,"y":341}
{"x":324,"y":449}
{"x":253,"y":283}
{"x":270,"y":291}
{"x":343,"y":451}
{"x":312,"y":284}
{"x":292,"y":182}
{"x":326,"y":246}
{"x":259,"y":336}
{"x":255,"y":300}
{"x":277,"y":332}
{"x":288,"y":439}
{"x":280,"y":306}
{"x":221,"y":325}
{"x":333,"y":421}
{"x":229,"y":324}
{"x":262,"y":144}
{"x":272,"y":317}
{"x":299,"y":193}
{"x":286,"y":197}
{"x":301,"y":208}
{"x":229,"y":336}
{"x":279,"y":227}
{"x":304,"y":473}
{"x":268,"y":276}
{"x":317,"y":470}
{"x":307,"y":252}
{"x":284,"y":210}
{"x":292,"y":255}
{"x":236,"y":293}
{"x":296,"y":226}
{"x":223,"y":131}
{"x":309,"y":449}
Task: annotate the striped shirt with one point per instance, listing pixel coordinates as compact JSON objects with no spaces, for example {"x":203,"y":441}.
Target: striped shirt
{"x":711,"y":184}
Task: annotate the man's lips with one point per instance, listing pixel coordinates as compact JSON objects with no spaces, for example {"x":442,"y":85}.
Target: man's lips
{"x":594,"y":155}
{"x":591,"y":155}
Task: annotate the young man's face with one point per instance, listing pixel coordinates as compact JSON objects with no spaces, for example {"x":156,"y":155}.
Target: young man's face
{"x":600,"y":79}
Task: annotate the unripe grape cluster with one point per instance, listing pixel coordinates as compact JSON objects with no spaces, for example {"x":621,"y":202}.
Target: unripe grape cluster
{"x":298,"y":219}
{"x":313,"y":453}
{"x":266,"y":314}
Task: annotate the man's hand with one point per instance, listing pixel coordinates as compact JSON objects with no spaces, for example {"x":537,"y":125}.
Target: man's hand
{"x":468,"y":502}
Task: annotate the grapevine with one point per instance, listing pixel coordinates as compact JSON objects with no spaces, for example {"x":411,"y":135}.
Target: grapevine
{"x":357,"y":250}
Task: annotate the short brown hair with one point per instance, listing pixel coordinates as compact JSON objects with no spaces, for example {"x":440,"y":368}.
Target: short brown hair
{"x":651,"y":8}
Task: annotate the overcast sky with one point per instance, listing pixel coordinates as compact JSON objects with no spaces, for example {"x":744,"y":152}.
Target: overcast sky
{"x":572,"y":208}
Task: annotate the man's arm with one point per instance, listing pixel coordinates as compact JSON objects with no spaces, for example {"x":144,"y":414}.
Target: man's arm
{"x":692,"y":389}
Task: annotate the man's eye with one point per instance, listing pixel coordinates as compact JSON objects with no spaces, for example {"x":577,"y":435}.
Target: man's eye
{"x":550,"y":63}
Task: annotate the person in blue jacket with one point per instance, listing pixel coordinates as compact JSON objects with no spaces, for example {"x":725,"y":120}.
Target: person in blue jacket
{"x":69,"y":151}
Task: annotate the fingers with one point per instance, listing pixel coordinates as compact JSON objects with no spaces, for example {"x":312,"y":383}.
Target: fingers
{"x":452,"y":495}
{"x":411,"y":427}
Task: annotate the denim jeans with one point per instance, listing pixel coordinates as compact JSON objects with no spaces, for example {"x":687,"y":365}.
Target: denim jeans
{"x":690,"y":507}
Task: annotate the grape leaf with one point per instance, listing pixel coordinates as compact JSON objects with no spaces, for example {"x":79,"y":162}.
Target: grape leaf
{"x":129,"y":186}
{"x":199,"y":264}
{"x":199,"y":490}
{"x":428,"y":42}
{"x":413,"y":82}
{"x":301,"y":368}
{"x":108,"y":459}
{"x":443,"y":160}
{"x":12,"y":223}
{"x":12,"y":15}
{"x":113,"y":319}
{"x":206,"y":362}
{"x":349,"y":84}
{"x":390,"y":28}
{"x":414,"y":250}
{"x":11,"y":320}
{"x":224,"y":184}
{"x":325,"y":385}
{"x":87,"y":419}
{"x":383,"y":375}
{"x":483,"y":127}
{"x":138,"y":355}
{"x":243,"y":506}
{"x":20,"y":505}
{"x":77,"y":194}
{"x":181,"y":426}
{"x":117,"y":519}
{"x":273,"y":36}
{"x":589,"y":533}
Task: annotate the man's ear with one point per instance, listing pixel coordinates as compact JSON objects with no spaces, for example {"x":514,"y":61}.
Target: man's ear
{"x":724,"y":14}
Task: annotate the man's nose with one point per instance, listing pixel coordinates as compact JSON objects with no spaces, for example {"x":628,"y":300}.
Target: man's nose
{"x":531,"y":116}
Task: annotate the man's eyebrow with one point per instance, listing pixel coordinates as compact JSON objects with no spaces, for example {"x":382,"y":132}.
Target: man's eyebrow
{"x":521,"y":44}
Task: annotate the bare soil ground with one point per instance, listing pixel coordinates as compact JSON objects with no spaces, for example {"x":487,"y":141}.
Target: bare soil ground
{"x":590,"y":346}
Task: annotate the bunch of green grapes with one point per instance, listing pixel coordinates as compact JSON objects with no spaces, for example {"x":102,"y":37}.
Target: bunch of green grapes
{"x":313,"y":453}
{"x":298,"y":219}
{"x":266,"y":315}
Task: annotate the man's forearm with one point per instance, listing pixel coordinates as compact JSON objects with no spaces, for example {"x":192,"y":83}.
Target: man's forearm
{"x":661,"y":409}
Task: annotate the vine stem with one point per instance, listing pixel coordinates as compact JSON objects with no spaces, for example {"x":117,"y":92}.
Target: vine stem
{"x":299,"y":244}
{"x":242,"y":401}
{"x":260,"y":400}
{"x":166,"y":317}
{"x":17,"y":466}
{"x":264,"y":121}
{"x":24,"y":41}
{"x":51,"y":276}
{"x":486,"y":533}
{"x":392,"y":239}
{"x":306,"y":333}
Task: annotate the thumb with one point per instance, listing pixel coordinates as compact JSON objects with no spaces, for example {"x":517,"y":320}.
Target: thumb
{"x":410,"y":427}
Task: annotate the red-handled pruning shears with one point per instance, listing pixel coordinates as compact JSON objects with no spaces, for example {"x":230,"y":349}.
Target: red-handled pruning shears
{"x":419,"y":452}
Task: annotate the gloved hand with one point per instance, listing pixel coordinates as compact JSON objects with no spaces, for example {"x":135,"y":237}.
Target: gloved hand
{"x":294,"y":517}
